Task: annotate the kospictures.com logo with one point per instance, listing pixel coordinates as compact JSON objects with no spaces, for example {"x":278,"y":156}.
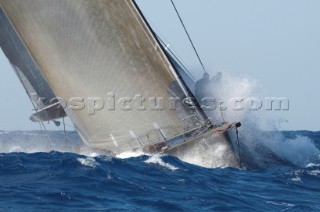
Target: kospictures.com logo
{"x":112,"y":102}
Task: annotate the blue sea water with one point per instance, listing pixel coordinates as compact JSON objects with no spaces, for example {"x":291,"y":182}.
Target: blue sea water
{"x":33,"y":179}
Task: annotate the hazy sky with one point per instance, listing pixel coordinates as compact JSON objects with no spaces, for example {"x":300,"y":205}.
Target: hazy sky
{"x":274,"y":42}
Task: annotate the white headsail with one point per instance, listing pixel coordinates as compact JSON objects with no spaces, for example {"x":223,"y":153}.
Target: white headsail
{"x":102,"y":55}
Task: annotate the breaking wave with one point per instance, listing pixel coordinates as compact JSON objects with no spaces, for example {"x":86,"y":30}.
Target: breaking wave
{"x":156,"y":159}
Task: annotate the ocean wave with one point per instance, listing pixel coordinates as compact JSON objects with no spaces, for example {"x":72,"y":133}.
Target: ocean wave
{"x":73,"y":182}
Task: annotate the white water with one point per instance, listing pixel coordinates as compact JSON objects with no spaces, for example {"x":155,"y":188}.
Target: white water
{"x":130,"y":154}
{"x":156,"y":159}
{"x":89,"y":162}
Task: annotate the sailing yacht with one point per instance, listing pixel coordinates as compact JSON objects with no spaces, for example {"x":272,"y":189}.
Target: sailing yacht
{"x":78,"y":58}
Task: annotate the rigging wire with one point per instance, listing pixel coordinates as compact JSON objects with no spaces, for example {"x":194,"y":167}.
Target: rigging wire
{"x":42,"y":129}
{"x":47,"y":133}
{"x":185,"y":29}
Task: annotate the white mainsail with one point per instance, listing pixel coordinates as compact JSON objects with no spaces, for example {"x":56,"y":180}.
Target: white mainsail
{"x":100,"y":51}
